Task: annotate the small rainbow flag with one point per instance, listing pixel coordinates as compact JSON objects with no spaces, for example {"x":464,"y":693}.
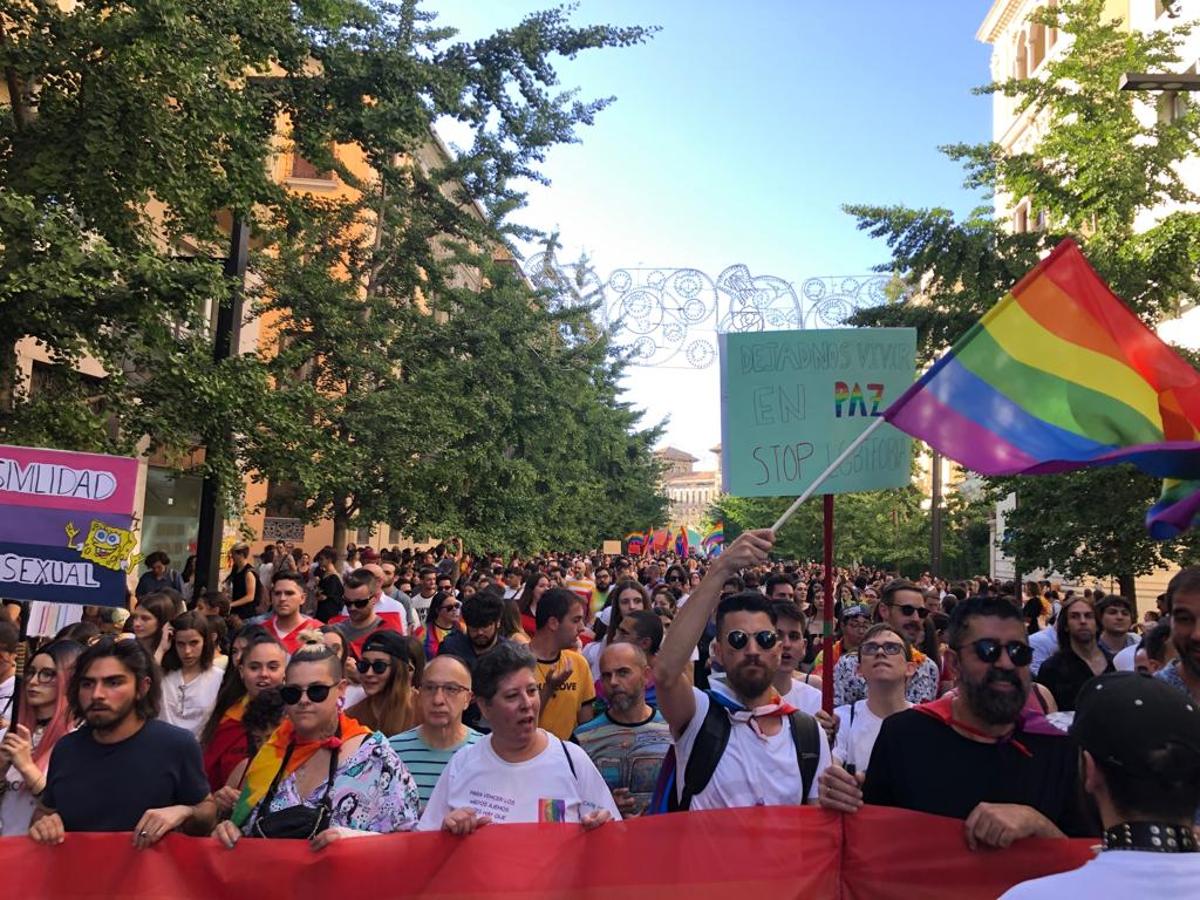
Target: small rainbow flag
{"x":714,"y":537}
{"x":1060,"y":375}
{"x":634,"y":542}
{"x":552,"y":810}
{"x":682,"y":546}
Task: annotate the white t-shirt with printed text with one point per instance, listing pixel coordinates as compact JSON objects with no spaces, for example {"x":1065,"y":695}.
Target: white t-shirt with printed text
{"x":542,"y":789}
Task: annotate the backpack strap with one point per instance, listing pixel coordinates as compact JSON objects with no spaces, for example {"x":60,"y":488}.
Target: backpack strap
{"x":570,"y":762}
{"x":806,"y":735}
{"x":706,"y":751}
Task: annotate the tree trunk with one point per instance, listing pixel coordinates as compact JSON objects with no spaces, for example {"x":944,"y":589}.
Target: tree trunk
{"x":1127,"y":584}
{"x":340,"y":527}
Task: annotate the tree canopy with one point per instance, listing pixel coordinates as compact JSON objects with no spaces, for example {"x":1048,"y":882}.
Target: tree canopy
{"x":1106,"y":175}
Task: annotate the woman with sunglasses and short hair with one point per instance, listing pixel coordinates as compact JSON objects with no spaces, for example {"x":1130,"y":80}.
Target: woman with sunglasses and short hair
{"x":322,"y":776}
{"x":44,"y":715}
{"x":443,"y":618}
{"x":386,"y":673}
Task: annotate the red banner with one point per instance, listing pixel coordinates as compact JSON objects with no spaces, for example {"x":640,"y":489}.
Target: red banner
{"x":779,"y":852}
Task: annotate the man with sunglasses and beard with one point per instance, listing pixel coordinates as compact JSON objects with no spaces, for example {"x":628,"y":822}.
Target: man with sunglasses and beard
{"x":769,"y":746}
{"x":902,"y":606}
{"x":1001,"y":768}
{"x":360,"y":594}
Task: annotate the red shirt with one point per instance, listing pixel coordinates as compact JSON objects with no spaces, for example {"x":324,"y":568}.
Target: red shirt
{"x":291,"y":640}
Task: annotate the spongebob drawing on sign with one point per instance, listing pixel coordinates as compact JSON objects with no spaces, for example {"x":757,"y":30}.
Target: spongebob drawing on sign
{"x":106,"y":545}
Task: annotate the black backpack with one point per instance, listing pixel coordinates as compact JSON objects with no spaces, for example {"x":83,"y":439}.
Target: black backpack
{"x":710,"y":745}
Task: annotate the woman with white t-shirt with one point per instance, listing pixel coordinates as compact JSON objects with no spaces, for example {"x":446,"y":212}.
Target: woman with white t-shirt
{"x":518,"y":773}
{"x":191,"y":681}
{"x":885,"y":663}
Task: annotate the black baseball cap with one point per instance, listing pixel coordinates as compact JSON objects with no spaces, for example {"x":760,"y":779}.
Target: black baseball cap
{"x":1126,"y":720}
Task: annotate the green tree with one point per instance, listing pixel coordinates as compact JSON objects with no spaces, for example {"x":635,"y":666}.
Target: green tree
{"x":421,"y":382}
{"x":1097,"y":171}
{"x":126,"y":131}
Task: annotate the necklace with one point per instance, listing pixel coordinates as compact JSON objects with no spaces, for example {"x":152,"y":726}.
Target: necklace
{"x":1153,"y":837}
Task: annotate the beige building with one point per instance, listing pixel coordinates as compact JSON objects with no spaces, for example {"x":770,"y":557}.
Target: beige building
{"x":1020,"y":49}
{"x":689,"y":491}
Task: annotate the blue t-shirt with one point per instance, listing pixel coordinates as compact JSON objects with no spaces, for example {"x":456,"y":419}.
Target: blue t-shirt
{"x":108,"y":787}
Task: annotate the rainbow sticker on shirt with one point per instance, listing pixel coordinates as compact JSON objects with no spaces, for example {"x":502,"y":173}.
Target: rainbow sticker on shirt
{"x":552,"y":810}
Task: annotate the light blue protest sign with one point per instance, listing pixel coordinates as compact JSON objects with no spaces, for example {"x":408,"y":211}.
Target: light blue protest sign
{"x":791,"y":401}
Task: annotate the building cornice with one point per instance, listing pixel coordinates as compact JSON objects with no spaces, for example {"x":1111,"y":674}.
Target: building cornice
{"x":998,"y":18}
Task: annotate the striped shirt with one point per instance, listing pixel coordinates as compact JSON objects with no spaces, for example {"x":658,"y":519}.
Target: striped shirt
{"x":423,"y":762}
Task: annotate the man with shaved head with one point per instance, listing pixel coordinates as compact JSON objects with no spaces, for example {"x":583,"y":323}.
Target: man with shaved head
{"x":628,"y":740}
{"x":445,"y":693}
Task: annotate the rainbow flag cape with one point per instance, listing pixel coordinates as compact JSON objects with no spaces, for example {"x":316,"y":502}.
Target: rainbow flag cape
{"x":270,"y":757}
{"x":634,"y":541}
{"x":1060,"y":375}
{"x":714,"y":537}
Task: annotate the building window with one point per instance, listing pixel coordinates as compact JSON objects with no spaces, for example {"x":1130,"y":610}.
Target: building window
{"x":284,"y":500}
{"x":1022,"y":67}
{"x":1164,"y":6}
{"x":1037,"y":45}
{"x":1051,"y":31}
{"x":1021,"y":219}
{"x":1172,"y":106}
{"x":301,"y":168}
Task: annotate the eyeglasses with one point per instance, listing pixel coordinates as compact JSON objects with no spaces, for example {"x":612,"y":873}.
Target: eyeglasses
{"x":291,"y":693}
{"x":907,"y":609}
{"x":739,"y":639}
{"x":43,"y":676}
{"x":887,"y":648}
{"x":450,"y":690}
{"x":378,"y":666}
{"x":450,"y":607}
{"x":988,"y":650}
{"x":359,"y":604}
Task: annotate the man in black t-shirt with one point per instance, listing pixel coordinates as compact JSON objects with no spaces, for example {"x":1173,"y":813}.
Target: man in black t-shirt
{"x":977,"y":754}
{"x":124,"y":770}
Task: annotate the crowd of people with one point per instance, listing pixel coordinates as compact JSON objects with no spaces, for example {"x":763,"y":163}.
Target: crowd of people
{"x":389,"y":691}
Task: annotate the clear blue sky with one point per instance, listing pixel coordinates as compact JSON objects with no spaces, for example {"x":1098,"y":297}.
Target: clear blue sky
{"x":738,"y":132}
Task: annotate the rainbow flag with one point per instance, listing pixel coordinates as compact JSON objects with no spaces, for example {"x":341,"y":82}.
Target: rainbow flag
{"x":682,"y":546}
{"x":714,"y":537}
{"x":1060,"y":375}
{"x":634,"y":542}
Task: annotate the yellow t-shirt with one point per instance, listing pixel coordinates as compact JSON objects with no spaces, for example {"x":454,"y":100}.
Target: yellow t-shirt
{"x":560,"y":714}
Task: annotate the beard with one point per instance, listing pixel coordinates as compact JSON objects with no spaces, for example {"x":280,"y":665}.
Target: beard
{"x":750,"y":683}
{"x":1189,"y":658}
{"x":996,"y":707}
{"x":104,"y":719}
{"x":623,"y":702}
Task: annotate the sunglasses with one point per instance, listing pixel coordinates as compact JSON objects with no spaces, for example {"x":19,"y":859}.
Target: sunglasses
{"x":378,"y":666}
{"x":451,"y":607}
{"x":988,"y":650}
{"x":908,"y":609}
{"x":739,"y":639}
{"x":674,"y":578}
{"x":358,"y":604}
{"x":887,"y":648}
{"x":291,"y":693}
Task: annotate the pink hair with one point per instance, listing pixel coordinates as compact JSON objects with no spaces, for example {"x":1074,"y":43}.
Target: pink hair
{"x":64,"y":654}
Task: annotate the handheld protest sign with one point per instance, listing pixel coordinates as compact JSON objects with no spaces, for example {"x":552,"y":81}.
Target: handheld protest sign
{"x":793,"y":402}
{"x":66,"y":525}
